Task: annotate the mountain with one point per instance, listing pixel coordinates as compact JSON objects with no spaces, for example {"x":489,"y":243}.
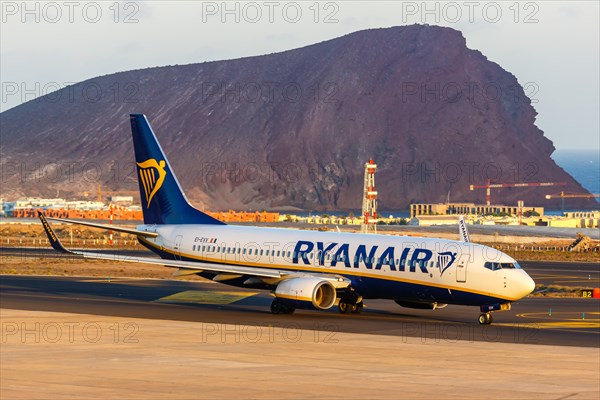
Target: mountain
{"x":294,"y":129}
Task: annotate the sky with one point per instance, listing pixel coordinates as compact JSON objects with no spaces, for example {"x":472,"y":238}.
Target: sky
{"x":552,"y":47}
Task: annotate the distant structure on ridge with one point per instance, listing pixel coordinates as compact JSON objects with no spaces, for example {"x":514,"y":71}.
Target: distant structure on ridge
{"x":369,"y":208}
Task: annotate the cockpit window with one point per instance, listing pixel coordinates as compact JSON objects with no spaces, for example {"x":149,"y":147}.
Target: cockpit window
{"x":494,"y":266}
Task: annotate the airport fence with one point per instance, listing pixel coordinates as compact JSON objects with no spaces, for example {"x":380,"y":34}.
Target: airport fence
{"x":518,"y":248}
{"x":76,"y":243}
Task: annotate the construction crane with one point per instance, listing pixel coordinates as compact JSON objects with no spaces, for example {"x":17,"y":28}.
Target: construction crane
{"x":489,"y":186}
{"x":563,"y":196}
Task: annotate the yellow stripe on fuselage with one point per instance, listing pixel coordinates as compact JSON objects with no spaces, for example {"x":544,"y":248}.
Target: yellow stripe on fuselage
{"x":321,"y":270}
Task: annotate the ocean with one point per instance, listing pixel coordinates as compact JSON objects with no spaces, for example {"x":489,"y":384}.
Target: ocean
{"x":583,"y":165}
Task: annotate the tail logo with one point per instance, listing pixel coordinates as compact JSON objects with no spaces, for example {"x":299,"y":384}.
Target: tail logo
{"x":152,"y":176}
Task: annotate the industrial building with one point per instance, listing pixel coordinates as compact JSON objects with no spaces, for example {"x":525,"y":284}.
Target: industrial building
{"x":417,"y":210}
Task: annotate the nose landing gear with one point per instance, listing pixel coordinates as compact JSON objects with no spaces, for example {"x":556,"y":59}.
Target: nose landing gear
{"x":485,"y":318}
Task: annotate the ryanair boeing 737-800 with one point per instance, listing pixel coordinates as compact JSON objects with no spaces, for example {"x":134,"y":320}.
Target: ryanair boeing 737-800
{"x":308,"y":269}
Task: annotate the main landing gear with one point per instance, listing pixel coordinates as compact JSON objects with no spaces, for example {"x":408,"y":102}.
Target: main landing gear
{"x":277,"y":307}
{"x":350,"y":302}
{"x":346,"y":307}
{"x":485,"y":318}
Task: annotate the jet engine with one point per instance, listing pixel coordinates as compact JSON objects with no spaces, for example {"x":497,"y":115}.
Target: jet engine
{"x":312,"y":293}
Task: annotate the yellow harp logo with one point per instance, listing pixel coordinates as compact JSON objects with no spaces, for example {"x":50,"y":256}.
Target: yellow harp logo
{"x":152,"y":176}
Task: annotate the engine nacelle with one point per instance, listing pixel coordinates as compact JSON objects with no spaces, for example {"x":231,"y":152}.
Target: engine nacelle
{"x":421,"y":306}
{"x":312,"y":293}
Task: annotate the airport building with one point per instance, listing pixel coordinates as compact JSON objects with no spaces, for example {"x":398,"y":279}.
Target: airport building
{"x":417,"y":210}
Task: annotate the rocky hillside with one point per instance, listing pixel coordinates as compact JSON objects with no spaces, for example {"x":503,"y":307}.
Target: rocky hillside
{"x":294,"y":129}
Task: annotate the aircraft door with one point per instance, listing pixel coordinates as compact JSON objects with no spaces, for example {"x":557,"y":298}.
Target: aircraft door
{"x":461,"y":271}
{"x":177,"y":247}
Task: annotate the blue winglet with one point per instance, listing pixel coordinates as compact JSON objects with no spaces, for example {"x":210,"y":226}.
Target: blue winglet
{"x":52,"y":238}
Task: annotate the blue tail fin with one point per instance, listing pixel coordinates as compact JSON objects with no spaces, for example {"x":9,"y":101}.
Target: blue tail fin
{"x":163,"y":201}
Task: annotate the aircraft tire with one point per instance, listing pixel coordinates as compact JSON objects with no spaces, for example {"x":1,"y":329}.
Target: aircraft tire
{"x":485,"y":319}
{"x":358,"y":308}
{"x":343,"y":307}
{"x":277,"y":307}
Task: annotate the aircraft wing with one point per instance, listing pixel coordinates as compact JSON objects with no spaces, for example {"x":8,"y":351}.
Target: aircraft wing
{"x":273,"y":275}
{"x":103,"y":226}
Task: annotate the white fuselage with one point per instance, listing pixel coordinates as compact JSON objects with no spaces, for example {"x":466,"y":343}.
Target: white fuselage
{"x":379,"y":266}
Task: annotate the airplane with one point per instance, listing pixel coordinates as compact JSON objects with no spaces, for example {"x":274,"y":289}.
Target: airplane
{"x":306,"y":269}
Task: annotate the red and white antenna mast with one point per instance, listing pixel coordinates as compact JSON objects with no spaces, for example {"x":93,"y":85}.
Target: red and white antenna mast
{"x":369,"y":209}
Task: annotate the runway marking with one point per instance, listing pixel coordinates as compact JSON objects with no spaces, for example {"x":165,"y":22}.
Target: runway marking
{"x":111,"y":280}
{"x":572,"y":320}
{"x":582,"y":276}
{"x":206,"y":297}
{"x":557,"y":325}
{"x":586,"y":281}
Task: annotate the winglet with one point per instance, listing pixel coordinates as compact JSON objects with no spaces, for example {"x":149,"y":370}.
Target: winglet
{"x":54,"y":241}
{"x":462,"y":230}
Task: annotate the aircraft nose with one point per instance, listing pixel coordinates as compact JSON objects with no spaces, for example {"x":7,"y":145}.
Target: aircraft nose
{"x":526,"y":284}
